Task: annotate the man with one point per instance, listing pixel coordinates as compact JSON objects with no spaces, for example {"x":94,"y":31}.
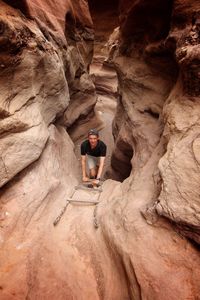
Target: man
{"x":93,"y":150}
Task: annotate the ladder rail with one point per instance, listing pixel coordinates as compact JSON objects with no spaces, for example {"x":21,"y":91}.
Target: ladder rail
{"x":77,"y":201}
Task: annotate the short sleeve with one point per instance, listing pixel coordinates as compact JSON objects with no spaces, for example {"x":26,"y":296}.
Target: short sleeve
{"x":103,"y":150}
{"x":83,"y":149}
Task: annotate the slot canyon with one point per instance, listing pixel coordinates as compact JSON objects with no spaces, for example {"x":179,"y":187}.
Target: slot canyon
{"x":130,"y":69}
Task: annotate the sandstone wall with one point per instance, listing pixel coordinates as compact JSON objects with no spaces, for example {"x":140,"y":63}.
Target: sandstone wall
{"x":156,"y":55}
{"x":44,"y":76}
{"x":158,"y":67}
{"x":45,"y":52}
{"x":133,"y":251}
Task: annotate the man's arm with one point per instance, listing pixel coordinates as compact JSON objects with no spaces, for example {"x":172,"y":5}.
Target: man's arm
{"x":101,"y":165}
{"x":83,"y":164}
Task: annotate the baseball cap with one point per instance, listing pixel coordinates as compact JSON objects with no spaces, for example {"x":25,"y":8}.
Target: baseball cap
{"x":93,"y":132}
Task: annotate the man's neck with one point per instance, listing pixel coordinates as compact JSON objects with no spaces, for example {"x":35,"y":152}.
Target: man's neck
{"x":93,"y":146}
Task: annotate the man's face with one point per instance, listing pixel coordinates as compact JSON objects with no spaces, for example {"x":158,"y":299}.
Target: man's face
{"x":93,"y":139}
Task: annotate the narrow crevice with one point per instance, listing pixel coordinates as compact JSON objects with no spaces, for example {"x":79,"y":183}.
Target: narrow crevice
{"x":108,"y":11}
{"x":153,"y":114}
{"x":104,"y":77}
{"x":121,"y":161}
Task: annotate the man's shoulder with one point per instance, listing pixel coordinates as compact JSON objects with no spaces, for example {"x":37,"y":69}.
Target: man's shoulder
{"x":84,"y":143}
{"x":101,"y":143}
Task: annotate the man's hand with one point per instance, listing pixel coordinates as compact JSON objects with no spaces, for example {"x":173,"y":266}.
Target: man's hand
{"x":95,"y":181}
{"x":85,"y":179}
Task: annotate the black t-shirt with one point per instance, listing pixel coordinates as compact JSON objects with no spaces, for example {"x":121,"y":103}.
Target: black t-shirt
{"x":99,"y":150}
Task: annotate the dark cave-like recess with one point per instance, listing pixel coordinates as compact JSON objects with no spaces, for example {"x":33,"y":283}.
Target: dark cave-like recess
{"x":121,"y":164}
{"x":103,"y":5}
{"x":148,"y":20}
{"x":19,"y":4}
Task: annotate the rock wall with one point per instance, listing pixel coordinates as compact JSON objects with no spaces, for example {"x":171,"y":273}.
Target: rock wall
{"x":136,"y":250}
{"x":179,"y":199}
{"x":44,"y":76}
{"x":156,"y":55}
{"x":158,"y":68}
{"x":45,"y":52}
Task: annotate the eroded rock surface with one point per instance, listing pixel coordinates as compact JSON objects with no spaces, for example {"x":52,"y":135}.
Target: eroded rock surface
{"x":179,"y":198}
{"x":159,"y":80}
{"x":124,"y":248}
{"x":43,"y":78}
{"x":156,"y":132}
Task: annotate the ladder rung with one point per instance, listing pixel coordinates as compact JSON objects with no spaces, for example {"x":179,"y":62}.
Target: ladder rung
{"x":83,"y":201}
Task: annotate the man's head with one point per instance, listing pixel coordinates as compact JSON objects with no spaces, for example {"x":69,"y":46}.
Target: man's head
{"x":93,"y":137}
